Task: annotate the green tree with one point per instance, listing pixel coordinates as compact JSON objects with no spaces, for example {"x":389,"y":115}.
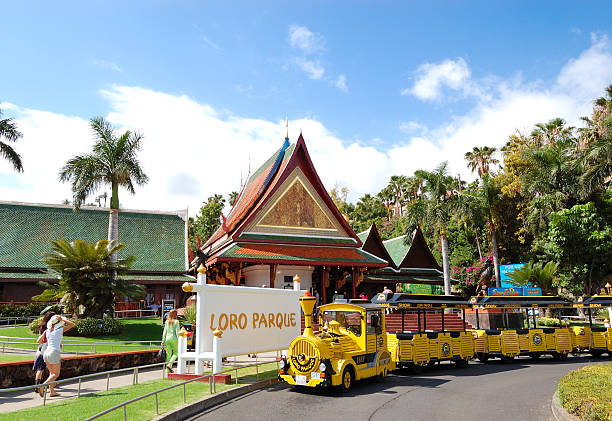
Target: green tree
{"x":233,"y":196}
{"x":368,"y":210}
{"x":339,"y":195}
{"x":113,"y":161}
{"x":435,"y":211}
{"x":580,"y":239}
{"x":386,"y":196}
{"x":536,"y":274}
{"x":480,"y":159}
{"x":206,"y":221}
{"x":90,"y":281}
{"x":8,"y":131}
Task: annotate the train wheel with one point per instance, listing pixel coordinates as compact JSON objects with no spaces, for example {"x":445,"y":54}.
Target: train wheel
{"x":417,"y":369}
{"x":560,"y":356}
{"x":596,"y":353}
{"x":507,"y":358}
{"x":534,"y":355}
{"x":482,"y":357}
{"x":381,"y":376}
{"x":462,"y":363}
{"x":347,"y":379}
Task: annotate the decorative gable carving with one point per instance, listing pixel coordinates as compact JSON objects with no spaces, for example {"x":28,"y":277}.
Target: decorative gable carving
{"x":296,"y":209}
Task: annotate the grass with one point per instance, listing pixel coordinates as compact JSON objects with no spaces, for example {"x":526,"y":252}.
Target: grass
{"x":587,"y":392}
{"x":5,"y":358}
{"x":86,"y":406}
{"x":137,"y":330}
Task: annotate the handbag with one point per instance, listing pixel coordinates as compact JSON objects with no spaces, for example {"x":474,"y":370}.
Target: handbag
{"x":161,"y":355}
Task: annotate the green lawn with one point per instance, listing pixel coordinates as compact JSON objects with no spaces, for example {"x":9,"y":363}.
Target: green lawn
{"x":86,"y":406}
{"x":5,"y":358}
{"x":137,"y":330}
{"x":587,"y":392}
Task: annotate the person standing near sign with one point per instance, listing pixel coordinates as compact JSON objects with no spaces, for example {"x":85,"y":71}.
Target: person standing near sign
{"x":170,"y":339}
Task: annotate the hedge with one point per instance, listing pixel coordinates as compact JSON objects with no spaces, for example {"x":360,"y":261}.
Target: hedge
{"x":88,"y":327}
{"x":32,"y":309}
{"x":587,"y":392}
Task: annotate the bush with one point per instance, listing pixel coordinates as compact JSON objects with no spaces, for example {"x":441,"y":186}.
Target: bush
{"x":548,"y":321}
{"x":88,"y":327}
{"x":587,"y":392}
{"x":32,"y":309}
{"x":91,"y":327}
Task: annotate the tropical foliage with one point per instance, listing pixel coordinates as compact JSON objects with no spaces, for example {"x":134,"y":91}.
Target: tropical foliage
{"x":89,"y":281}
{"x":9,"y":132}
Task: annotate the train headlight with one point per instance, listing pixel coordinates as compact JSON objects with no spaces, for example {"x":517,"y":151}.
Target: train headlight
{"x":322,"y":367}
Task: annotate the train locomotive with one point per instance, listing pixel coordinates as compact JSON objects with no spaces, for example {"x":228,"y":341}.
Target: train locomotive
{"x":352,"y":347}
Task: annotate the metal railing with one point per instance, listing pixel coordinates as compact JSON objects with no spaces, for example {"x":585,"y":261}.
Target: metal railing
{"x":212,"y":389}
{"x":16,"y":320}
{"x":121,"y":314}
{"x":86,"y":376}
{"x":89,"y":347}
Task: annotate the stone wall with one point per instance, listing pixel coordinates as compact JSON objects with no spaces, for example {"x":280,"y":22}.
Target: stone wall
{"x":15,"y":374}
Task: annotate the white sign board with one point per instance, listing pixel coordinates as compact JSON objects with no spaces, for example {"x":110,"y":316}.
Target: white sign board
{"x":251,"y":319}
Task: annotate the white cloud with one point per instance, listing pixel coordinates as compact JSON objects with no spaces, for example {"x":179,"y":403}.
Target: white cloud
{"x":109,"y":65}
{"x":432,"y":77}
{"x":192,"y":150}
{"x":301,"y":37}
{"x":312,"y":68}
{"x":341,"y":83}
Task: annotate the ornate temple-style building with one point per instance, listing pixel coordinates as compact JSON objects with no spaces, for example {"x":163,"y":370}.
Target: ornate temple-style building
{"x":285,"y":223}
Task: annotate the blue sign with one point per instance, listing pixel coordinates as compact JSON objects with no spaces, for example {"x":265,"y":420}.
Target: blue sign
{"x":504,"y":270}
{"x":505,"y":292}
{"x":532,"y":291}
{"x":515,"y":292}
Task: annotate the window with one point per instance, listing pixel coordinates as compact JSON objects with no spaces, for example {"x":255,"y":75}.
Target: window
{"x":349,"y":320}
{"x":374,"y":323}
{"x":169,"y":296}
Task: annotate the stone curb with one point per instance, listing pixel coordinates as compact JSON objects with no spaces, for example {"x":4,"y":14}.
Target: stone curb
{"x":559,"y":412}
{"x":194,"y":408}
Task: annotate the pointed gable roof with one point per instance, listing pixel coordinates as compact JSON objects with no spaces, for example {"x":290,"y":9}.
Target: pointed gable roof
{"x":419,"y":254}
{"x":373,"y":244}
{"x":411,"y":252}
{"x":285,"y":203}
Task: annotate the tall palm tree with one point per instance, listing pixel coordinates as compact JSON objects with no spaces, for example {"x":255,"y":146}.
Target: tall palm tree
{"x":435,"y":211}
{"x":8,"y":131}
{"x":551,"y":132}
{"x":397,"y":184}
{"x":481,"y":159}
{"x":113,"y":161}
{"x":386,"y":196}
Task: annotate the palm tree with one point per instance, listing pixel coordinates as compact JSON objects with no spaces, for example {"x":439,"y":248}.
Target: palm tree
{"x":8,"y":131}
{"x":90,"y":281}
{"x":233,"y":196}
{"x":113,"y":162}
{"x":386,"y":196}
{"x":536,"y":274}
{"x":551,"y":132}
{"x":480,"y":159}
{"x":435,"y":211}
{"x":397,"y":184}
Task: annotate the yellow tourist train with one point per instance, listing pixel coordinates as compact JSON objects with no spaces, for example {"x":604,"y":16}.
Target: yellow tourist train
{"x":415,"y":349}
{"x":352,"y":347}
{"x":354,"y":343}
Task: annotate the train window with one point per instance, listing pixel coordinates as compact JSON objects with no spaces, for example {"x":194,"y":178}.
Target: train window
{"x":374,"y":323}
{"x":349,"y":320}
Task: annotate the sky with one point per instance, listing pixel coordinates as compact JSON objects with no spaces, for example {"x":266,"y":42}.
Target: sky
{"x":377,"y":88}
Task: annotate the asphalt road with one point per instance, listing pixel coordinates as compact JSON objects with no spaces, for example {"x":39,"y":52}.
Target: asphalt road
{"x":494,"y":391}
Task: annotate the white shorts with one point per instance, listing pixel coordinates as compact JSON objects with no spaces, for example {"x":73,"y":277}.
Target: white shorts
{"x":52,"y":356}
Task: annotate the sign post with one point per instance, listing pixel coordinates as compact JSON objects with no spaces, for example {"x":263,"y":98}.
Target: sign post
{"x":167,"y":305}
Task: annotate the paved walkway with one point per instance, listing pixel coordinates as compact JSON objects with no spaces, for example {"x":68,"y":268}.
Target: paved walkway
{"x":20,"y":400}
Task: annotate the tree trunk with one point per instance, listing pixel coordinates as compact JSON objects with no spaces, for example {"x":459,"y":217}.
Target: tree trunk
{"x":495,"y":258}
{"x":113,"y":219}
{"x":477,"y":241}
{"x":445,"y":268}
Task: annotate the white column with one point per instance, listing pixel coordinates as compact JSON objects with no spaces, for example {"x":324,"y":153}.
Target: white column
{"x":218,"y":356}
{"x":182,"y":348}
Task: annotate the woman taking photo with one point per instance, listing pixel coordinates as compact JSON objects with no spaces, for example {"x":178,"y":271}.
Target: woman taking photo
{"x":56,"y":326}
{"x":170,"y":339}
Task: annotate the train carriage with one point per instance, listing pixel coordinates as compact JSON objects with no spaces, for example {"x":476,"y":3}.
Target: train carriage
{"x":596,"y":340}
{"x":415,"y":349}
{"x":530,"y":341}
{"x":352,"y":346}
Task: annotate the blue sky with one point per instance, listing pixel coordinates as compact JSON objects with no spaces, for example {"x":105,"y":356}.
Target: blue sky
{"x":394,"y":86}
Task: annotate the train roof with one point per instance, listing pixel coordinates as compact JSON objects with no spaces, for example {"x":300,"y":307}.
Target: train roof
{"x":596,"y":301}
{"x":358,"y":305}
{"x":520,"y":301}
{"x":420,"y":301}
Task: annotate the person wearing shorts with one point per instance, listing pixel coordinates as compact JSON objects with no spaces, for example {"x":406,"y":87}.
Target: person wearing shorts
{"x":56,"y":327}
